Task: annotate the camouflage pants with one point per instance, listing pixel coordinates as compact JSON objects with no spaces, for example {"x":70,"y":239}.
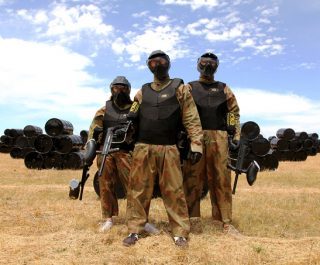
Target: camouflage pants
{"x":212,"y":169}
{"x":150,"y":161}
{"x":192,"y":185}
{"x":117,"y":167}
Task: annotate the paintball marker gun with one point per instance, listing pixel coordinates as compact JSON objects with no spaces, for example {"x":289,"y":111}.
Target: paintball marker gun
{"x":249,"y":131}
{"x":116,"y":135}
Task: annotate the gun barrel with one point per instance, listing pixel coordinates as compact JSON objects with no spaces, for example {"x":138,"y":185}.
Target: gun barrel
{"x":235,"y":183}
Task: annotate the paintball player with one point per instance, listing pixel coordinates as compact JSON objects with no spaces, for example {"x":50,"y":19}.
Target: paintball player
{"x":161,"y":107}
{"x":215,"y":101}
{"x":117,"y":165}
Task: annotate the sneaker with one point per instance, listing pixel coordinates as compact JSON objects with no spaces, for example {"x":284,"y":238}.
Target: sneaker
{"x":229,"y":229}
{"x":151,"y":229}
{"x":180,"y":241}
{"x":105,"y":226}
{"x":130,"y":240}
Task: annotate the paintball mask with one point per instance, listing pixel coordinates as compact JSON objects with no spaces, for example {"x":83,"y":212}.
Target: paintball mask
{"x":159,"y":64}
{"x":208,"y":64}
{"x":120,"y":90}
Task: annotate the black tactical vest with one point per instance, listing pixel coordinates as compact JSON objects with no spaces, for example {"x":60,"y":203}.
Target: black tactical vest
{"x":159,"y":114}
{"x":113,"y":116}
{"x":211,"y":103}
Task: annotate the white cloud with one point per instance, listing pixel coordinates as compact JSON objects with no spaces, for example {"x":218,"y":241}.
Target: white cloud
{"x":203,"y":26}
{"x":69,"y":24}
{"x":76,"y":19}
{"x":244,"y":34}
{"x":41,"y":17}
{"x":141,"y":14}
{"x":264,"y":21}
{"x":138,"y":46}
{"x":302,"y":65}
{"x":273,"y":110}
{"x":161,"y":19}
{"x":227,"y":34}
{"x":44,"y":80}
{"x":270,"y":11}
{"x":37,"y":17}
{"x":247,"y":43}
{"x":194,"y":4}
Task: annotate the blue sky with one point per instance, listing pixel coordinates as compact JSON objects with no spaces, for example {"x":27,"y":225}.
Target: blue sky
{"x":57,"y":58}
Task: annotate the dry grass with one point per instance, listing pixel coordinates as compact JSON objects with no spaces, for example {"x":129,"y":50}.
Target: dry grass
{"x":279,"y":217}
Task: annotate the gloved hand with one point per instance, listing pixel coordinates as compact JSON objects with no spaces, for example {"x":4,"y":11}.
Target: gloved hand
{"x":134,"y":111}
{"x":195,"y":157}
{"x":98,"y":134}
{"x":234,"y":144}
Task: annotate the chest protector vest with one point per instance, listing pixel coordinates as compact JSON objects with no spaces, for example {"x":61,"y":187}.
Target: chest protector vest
{"x":159,"y":115}
{"x":211,"y":103}
{"x":113,"y":116}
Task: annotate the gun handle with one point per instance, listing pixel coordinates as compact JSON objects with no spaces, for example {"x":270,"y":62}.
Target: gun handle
{"x":235,"y":183}
{"x":81,"y":192}
{"x":85,"y":176}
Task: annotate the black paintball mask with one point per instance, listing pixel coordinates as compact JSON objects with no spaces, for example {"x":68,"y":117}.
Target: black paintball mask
{"x":159,"y":64}
{"x":208,"y":64}
{"x":120,"y":91}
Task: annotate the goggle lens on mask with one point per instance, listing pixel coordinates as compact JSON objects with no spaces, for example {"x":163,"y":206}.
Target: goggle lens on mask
{"x":119,"y":88}
{"x":153,"y":62}
{"x":204,"y":61}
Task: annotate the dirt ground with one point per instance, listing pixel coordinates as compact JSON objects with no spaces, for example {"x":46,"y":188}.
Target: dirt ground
{"x":278,"y":218}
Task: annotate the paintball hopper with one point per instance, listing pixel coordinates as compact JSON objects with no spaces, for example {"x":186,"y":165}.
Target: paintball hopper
{"x":76,"y":186}
{"x":90,"y":153}
{"x":252,"y":172}
{"x":74,"y":189}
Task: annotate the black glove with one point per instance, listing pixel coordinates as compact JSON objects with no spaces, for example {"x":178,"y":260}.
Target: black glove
{"x":195,"y":157}
{"x":234,"y":144}
{"x":98,"y":134}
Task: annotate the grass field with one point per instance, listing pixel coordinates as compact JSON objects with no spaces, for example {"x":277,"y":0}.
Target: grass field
{"x":278,"y":217}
